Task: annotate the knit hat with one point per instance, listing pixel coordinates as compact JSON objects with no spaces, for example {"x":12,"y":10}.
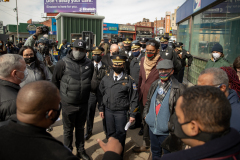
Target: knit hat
{"x":217,"y":47}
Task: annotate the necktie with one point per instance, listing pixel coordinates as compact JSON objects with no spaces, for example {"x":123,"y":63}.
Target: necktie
{"x":97,"y":69}
{"x":116,"y":77}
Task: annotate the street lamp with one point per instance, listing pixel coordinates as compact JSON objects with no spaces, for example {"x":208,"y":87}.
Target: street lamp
{"x":16,"y":10}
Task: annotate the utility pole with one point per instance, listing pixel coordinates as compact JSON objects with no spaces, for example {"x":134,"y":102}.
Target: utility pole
{"x":156,"y":26}
{"x":16,"y":10}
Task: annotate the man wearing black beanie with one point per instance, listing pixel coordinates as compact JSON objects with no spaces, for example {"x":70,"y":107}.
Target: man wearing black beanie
{"x":217,"y":59}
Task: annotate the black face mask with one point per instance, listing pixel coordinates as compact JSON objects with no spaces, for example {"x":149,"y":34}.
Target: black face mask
{"x":115,"y":53}
{"x":97,"y":58}
{"x":118,"y":70}
{"x":127,"y":48}
{"x":143,"y":46}
{"x":29,"y":60}
{"x":175,"y":127}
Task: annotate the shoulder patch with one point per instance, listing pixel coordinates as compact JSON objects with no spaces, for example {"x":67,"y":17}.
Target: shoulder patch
{"x":134,"y":87}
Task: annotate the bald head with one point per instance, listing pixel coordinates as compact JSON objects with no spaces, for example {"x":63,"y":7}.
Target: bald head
{"x":34,"y":100}
{"x":114,"y":49}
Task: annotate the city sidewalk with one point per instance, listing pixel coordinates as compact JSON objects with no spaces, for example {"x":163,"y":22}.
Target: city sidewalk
{"x":92,"y":147}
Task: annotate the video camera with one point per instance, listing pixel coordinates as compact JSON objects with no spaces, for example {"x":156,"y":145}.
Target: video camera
{"x":44,"y":29}
{"x":88,"y":38}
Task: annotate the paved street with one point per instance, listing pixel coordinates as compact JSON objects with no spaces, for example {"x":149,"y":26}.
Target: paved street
{"x":92,"y":147}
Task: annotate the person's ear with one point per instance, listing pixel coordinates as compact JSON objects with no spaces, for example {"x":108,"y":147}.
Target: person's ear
{"x":172,"y":71}
{"x":158,"y":50}
{"x":193,"y":128}
{"x":223,"y":88}
{"x":13,"y":73}
{"x":49,"y":114}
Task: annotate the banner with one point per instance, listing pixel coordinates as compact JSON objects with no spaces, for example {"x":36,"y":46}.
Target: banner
{"x":69,"y":6}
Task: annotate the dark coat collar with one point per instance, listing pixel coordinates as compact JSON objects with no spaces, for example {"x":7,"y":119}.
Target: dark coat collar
{"x":219,"y":147}
{"x":9,"y":84}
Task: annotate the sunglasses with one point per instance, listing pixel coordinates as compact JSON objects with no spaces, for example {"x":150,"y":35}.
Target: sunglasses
{"x":151,"y":43}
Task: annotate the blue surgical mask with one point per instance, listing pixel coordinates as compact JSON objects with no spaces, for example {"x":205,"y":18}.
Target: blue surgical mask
{"x":136,"y":54}
{"x":0,"y":44}
{"x":164,"y":46}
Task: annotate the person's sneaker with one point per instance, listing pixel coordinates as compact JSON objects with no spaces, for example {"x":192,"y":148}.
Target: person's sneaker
{"x":83,"y":155}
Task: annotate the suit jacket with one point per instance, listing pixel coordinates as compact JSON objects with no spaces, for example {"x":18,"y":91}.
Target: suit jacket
{"x":145,"y":84}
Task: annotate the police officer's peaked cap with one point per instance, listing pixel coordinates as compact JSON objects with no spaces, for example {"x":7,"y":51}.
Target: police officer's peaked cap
{"x":128,"y":40}
{"x":97,"y":50}
{"x":79,"y":44}
{"x":179,"y":43}
{"x":135,"y":45}
{"x":164,"y":39}
{"x":165,"y":64}
{"x":118,"y":59}
{"x":143,"y":40}
{"x":43,"y":40}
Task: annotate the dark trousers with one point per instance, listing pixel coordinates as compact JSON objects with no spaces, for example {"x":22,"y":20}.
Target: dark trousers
{"x":116,"y":121}
{"x":181,"y":75}
{"x":156,"y":141}
{"x":74,"y":117}
{"x":92,"y":102}
{"x":146,"y":139}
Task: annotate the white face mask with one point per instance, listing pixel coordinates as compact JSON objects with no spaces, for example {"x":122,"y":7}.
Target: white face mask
{"x":216,"y":56}
{"x":25,"y":75}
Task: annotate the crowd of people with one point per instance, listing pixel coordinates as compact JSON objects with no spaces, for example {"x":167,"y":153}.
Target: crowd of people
{"x":137,"y":83}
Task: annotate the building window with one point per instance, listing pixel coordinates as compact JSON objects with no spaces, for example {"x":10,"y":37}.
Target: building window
{"x":173,"y":18}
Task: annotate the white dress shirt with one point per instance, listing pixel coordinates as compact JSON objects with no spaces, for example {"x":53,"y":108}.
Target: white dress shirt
{"x":119,"y":76}
{"x":99,"y":64}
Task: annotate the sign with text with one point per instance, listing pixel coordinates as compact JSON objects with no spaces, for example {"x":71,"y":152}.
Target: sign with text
{"x":126,"y":28}
{"x":69,"y":6}
{"x":168,"y":23}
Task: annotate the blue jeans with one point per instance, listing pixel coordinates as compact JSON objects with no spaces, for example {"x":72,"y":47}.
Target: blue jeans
{"x":156,"y":141}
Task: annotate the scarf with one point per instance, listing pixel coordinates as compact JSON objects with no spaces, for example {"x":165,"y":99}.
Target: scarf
{"x":149,"y":64}
{"x":163,"y":89}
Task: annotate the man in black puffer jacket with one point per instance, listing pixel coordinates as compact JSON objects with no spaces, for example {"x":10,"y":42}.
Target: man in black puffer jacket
{"x":12,"y":73}
{"x":73,"y":75}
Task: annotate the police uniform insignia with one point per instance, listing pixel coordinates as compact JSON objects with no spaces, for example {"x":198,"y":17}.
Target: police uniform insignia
{"x":134,"y":87}
{"x":126,"y":78}
{"x":124,"y":84}
{"x":160,"y":91}
{"x":167,"y":54}
{"x":80,"y":44}
{"x":86,"y":67}
{"x":117,"y":58}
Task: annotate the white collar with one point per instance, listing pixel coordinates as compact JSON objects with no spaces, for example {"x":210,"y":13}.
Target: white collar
{"x":99,"y":64}
{"x":119,"y":76}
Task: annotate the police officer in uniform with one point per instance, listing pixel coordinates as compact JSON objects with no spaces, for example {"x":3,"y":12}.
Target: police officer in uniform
{"x":100,"y":70}
{"x":182,"y":55}
{"x":166,"y":52}
{"x":127,"y":49}
{"x":134,"y":73}
{"x":119,"y":94}
{"x":143,"y":44}
{"x":73,"y":75}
